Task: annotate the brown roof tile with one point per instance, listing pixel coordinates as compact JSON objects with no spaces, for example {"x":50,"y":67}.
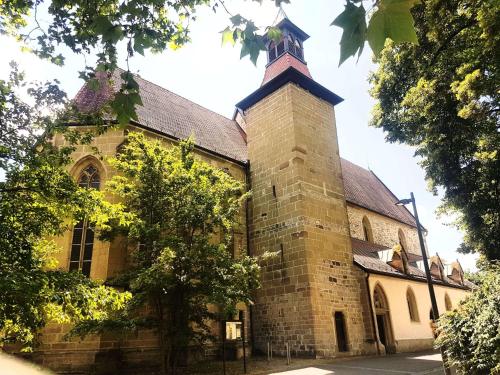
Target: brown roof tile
{"x":171,"y":114}
{"x":283,"y":63}
{"x":363,"y":188}
{"x":366,"y":248}
{"x":365,"y":256}
{"x":175,"y":116}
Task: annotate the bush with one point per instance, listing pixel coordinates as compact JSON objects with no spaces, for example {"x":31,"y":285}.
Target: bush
{"x":470,"y":335}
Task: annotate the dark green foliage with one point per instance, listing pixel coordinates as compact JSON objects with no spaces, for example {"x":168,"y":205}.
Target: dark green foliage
{"x":389,"y":19}
{"x":470,"y":335}
{"x":441,"y":97}
{"x":39,"y":199}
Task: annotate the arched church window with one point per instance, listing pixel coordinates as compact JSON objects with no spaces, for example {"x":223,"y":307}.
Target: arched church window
{"x":379,"y":298}
{"x":280,"y":48}
{"x":272,"y":51}
{"x":402,"y":240}
{"x":290,"y":43}
{"x":447,"y":302}
{"x":82,"y":243}
{"x":412,"y":305}
{"x":367,"y":230}
{"x":298,"y":49}
{"x":404,"y":249}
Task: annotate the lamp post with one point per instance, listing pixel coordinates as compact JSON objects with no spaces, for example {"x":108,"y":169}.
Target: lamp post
{"x":432,"y":295}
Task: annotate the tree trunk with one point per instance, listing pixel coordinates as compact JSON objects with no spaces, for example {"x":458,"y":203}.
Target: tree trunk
{"x":164,"y":352}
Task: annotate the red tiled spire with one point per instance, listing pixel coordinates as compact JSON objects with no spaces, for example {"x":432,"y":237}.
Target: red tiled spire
{"x":281,"y":64}
{"x":286,"y":53}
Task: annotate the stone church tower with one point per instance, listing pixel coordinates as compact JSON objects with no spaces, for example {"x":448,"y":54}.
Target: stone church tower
{"x":311,"y":292}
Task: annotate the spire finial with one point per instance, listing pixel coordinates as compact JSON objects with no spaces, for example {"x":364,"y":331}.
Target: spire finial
{"x":280,"y":15}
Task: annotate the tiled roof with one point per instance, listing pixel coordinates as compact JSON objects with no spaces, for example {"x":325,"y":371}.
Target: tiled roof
{"x":365,"y":256}
{"x":281,"y":64}
{"x":364,"y":188}
{"x":172,"y":115}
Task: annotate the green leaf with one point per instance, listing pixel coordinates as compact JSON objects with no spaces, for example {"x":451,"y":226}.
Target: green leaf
{"x":93,"y":84}
{"x":228,"y":36}
{"x":237,"y":20}
{"x":279,"y":2}
{"x":141,"y":42}
{"x":274,"y":34}
{"x":252,"y":46}
{"x":102,"y":24}
{"x":392,"y":20}
{"x":113,"y":35}
{"x":353,"y":21}
{"x":124,"y":106}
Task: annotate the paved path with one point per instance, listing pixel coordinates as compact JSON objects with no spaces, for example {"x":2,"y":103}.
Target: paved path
{"x":423,"y":363}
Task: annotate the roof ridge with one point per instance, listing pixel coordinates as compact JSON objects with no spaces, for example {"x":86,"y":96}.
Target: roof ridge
{"x":377,"y":184}
{"x":180,"y":96}
{"x":394,"y":196}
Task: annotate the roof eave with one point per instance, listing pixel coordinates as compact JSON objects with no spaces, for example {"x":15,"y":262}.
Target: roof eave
{"x":407,"y":277}
{"x":204,"y":149}
{"x":286,"y":23}
{"x":289,"y":75}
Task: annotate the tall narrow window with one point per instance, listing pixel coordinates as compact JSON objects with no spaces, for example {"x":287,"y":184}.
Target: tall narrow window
{"x":402,"y":240}
{"x":404,"y":250}
{"x":82,"y":244}
{"x":340,"y":330}
{"x":367,"y":230}
{"x":447,"y":302}
{"x":272,"y":51}
{"x":298,"y":49}
{"x":412,"y":305}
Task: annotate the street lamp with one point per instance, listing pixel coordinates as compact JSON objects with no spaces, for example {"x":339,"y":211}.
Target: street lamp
{"x":435,"y":312}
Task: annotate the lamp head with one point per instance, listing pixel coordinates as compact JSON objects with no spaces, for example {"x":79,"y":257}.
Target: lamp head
{"x":403,"y":202}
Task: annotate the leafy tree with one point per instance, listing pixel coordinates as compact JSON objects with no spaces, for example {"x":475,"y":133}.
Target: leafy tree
{"x":470,"y":335}
{"x":441,"y":96}
{"x":97,"y":27}
{"x":180,"y":205}
{"x":39,"y":199}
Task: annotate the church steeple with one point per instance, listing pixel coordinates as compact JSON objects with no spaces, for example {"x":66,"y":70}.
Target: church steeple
{"x":288,"y":52}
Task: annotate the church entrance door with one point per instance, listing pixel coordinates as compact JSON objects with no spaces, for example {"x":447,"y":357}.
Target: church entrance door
{"x":383,"y":320}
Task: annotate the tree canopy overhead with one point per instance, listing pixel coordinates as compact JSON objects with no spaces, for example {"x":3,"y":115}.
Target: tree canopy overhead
{"x":95,"y":28}
{"x":442,"y":97}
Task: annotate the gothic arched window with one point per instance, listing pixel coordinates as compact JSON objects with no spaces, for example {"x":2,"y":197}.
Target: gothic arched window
{"x":82,"y":243}
{"x":367,"y":230}
{"x":402,"y":240}
{"x":447,"y":302}
{"x":412,"y":305}
{"x":298,"y":49}
{"x":272,"y":51}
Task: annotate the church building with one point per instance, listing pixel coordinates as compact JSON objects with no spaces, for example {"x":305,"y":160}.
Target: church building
{"x":349,"y":279}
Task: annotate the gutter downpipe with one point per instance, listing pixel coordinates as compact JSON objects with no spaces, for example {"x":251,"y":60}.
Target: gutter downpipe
{"x":372,"y":313}
{"x":247,"y":219}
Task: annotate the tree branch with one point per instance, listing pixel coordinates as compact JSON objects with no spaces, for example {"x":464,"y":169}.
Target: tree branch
{"x":447,"y":41}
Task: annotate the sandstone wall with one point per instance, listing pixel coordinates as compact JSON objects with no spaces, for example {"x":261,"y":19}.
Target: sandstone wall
{"x":298,"y":210}
{"x":100,"y":353}
{"x":384,"y":229}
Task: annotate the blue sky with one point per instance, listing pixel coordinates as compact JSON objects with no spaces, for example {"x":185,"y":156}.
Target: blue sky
{"x":215,"y":77}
